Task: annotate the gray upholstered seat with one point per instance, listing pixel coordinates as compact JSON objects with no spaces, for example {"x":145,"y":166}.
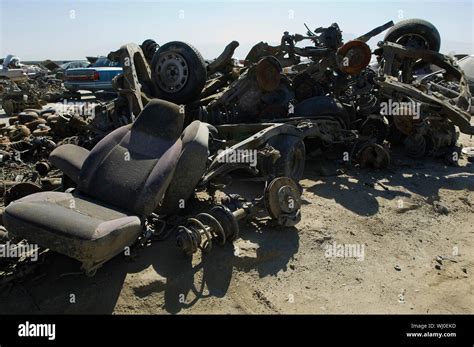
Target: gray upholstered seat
{"x":191,"y":166}
{"x":189,"y":169}
{"x":74,"y":225}
{"x":69,"y":158}
{"x":120,"y":182}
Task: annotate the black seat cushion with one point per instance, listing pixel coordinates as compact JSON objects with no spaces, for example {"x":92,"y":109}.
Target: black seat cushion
{"x":72,"y":224}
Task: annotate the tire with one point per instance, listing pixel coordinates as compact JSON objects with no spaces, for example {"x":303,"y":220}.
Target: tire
{"x":179,"y":72}
{"x":400,"y":32}
{"x":292,"y":156}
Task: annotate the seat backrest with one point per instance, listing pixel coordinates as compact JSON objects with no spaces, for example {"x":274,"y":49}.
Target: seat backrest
{"x":190,"y":168}
{"x":132,"y":166}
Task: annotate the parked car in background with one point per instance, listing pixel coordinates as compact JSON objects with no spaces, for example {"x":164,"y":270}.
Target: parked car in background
{"x":77,"y":64}
{"x":97,"y":76}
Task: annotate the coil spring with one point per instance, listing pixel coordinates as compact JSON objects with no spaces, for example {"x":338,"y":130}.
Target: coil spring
{"x":191,"y":235}
{"x":149,"y":47}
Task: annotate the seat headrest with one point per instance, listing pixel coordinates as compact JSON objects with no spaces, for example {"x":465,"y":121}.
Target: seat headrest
{"x":160,"y":118}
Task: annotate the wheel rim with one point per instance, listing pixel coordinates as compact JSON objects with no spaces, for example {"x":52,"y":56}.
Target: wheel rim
{"x":414,"y":41}
{"x":172,"y":72}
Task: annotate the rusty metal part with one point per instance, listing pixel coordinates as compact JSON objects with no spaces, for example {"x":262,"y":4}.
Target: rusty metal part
{"x":218,"y":167}
{"x":248,"y":97}
{"x":41,"y":130}
{"x":12,"y":120}
{"x":51,"y":183}
{"x":268,"y":72}
{"x":18,"y":132}
{"x":18,"y":268}
{"x":415,"y":145}
{"x":373,"y":155}
{"x":441,"y":133}
{"x":263,"y":49}
{"x":405,"y":124}
{"x":224,"y":60}
{"x":20,"y":190}
{"x":283,"y":201}
{"x":34,"y":124}
{"x":32,"y":93}
{"x":375,"y":126}
{"x":354,"y":56}
{"x":374,"y":32}
{"x":199,"y":232}
{"x":27,"y":116}
{"x":149,"y":47}
{"x":392,"y":88}
{"x":43,"y":167}
{"x":135,"y":83}
{"x":393,"y":53}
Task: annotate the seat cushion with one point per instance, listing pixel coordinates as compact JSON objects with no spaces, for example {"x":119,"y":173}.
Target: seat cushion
{"x":72,"y":225}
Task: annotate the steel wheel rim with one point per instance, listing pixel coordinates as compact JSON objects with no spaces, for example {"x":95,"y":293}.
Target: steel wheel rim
{"x":172,"y":72}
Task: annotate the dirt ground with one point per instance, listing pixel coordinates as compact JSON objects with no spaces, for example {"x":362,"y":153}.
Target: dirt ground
{"x":416,"y":228}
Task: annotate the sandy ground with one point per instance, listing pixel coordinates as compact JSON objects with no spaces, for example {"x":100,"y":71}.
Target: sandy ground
{"x":416,"y":229}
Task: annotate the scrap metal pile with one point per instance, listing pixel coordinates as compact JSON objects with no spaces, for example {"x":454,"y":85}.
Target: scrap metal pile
{"x":28,"y":86}
{"x":218,"y":121}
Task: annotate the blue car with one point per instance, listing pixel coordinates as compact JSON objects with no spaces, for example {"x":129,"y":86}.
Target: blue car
{"x":97,"y":76}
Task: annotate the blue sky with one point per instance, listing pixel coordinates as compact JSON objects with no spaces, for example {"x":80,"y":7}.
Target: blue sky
{"x":73,"y":29}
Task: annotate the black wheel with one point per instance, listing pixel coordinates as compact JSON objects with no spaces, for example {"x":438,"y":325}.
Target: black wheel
{"x":415,"y":33}
{"x":292,"y":156}
{"x":179,"y":71}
